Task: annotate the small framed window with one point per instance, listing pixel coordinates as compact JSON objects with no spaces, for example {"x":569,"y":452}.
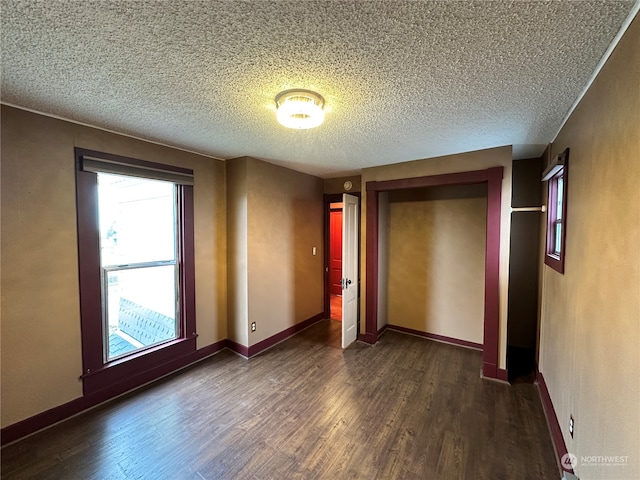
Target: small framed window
{"x":556,"y":175}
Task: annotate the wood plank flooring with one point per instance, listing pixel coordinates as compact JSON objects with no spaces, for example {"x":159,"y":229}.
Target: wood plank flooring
{"x":406,"y":408}
{"x":336,"y":307}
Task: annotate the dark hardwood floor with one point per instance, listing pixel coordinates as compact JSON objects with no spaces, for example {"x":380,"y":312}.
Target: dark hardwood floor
{"x":406,"y":408}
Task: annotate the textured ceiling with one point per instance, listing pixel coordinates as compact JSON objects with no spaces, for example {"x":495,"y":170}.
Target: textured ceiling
{"x":402,"y":80}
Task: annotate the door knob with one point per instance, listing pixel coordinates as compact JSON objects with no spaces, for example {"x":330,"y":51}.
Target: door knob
{"x":348,"y":282}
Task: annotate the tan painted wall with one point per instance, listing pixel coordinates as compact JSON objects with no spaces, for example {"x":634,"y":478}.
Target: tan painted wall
{"x":541,"y":242}
{"x":383,"y":258}
{"x":437,"y":241}
{"x":285,"y":221}
{"x":237,"y":261}
{"x":336,"y":185}
{"x":479,"y":160}
{"x":590,"y":332}
{"x":41,"y":356}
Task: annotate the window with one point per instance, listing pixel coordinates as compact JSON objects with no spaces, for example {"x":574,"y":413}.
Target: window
{"x":138,"y":251}
{"x":556,"y":175}
{"x":135,"y":246}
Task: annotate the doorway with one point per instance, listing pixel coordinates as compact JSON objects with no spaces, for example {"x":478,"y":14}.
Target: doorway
{"x":341,"y":260}
{"x":335,"y":260}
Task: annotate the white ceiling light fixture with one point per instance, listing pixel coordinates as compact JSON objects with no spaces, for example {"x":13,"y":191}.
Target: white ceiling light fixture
{"x":300,"y":109}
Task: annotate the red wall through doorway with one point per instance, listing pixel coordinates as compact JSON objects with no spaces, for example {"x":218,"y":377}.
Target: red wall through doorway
{"x":335,"y":250}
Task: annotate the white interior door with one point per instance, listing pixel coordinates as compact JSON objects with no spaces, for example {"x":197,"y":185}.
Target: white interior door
{"x":349,"y":269}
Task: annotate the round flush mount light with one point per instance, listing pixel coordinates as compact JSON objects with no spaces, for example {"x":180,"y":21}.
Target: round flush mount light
{"x":300,"y":109}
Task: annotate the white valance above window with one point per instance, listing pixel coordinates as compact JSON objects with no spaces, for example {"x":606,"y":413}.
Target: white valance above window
{"x":177,"y":175}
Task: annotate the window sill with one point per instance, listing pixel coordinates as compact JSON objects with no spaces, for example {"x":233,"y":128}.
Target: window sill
{"x":555,"y":262}
{"x":123,"y":369}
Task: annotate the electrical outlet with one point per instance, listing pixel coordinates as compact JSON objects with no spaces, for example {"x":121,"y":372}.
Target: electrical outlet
{"x":571,"y":425}
{"x":253,"y":326}
{"x":314,"y":251}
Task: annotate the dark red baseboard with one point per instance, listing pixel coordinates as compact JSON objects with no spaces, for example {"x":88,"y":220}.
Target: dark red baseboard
{"x":54,"y":415}
{"x":552,"y":421}
{"x":488,"y":370}
{"x":493,"y":372}
{"x":62,"y":412}
{"x":440,"y":338}
{"x":502,"y":374}
{"x":382,"y":329}
{"x":283,"y":335}
{"x":366,"y":338}
{"x":239,"y":349}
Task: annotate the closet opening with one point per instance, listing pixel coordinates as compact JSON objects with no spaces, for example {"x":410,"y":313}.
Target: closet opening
{"x":492,"y":177}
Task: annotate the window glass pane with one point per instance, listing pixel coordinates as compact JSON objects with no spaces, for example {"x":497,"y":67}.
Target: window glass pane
{"x":557,"y":238}
{"x":137,"y":231}
{"x":140,"y":308}
{"x":137,"y":220}
{"x":559,"y":196}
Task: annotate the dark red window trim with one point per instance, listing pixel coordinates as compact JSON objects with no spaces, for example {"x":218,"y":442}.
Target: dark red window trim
{"x":551,"y":258}
{"x":98,"y":375}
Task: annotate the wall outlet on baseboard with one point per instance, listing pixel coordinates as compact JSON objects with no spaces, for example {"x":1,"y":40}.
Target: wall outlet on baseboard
{"x":253,"y":329}
{"x":571,"y":425}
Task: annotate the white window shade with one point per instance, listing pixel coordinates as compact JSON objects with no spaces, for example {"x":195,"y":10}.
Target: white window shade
{"x":177,"y":175}
{"x":555,"y":166}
